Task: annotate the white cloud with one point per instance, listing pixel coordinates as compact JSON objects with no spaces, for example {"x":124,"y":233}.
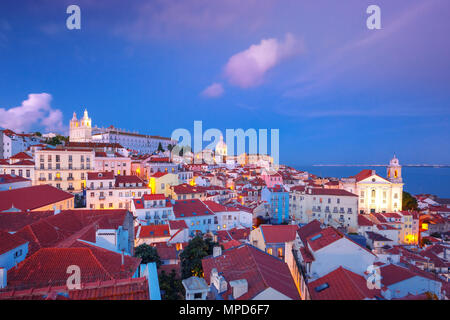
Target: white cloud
{"x":247,"y":68}
{"x":33,"y":114}
{"x":213,"y":91}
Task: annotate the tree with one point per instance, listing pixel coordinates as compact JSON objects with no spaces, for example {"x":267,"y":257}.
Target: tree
{"x":191,"y":256}
{"x":147,"y":254}
{"x":57,"y":140}
{"x":170,"y":147}
{"x":409,"y":202}
{"x":160,"y":147}
{"x":170,"y":286}
{"x":38,"y":134}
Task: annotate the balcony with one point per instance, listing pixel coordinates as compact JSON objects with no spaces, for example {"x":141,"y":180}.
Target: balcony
{"x":42,"y":179}
{"x":70,"y":189}
{"x":69,"y":178}
{"x":58,"y":179}
{"x":101,"y":197}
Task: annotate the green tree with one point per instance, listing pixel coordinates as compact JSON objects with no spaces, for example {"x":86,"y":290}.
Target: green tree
{"x":57,"y":140}
{"x":409,"y":202}
{"x":170,"y":147}
{"x":38,"y":134}
{"x":171,"y":286}
{"x":160,"y":147}
{"x":191,"y":256}
{"x":147,"y":254}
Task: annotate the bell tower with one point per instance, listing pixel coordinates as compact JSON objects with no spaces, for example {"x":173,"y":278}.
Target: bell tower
{"x":394,"y":171}
{"x":81,"y":130}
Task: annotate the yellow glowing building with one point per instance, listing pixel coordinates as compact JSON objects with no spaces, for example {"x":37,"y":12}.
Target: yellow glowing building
{"x":377,"y":194}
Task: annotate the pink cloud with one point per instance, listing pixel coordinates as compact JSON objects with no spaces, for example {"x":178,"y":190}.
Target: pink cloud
{"x":35,"y":112}
{"x":213,"y":91}
{"x":247,"y":68}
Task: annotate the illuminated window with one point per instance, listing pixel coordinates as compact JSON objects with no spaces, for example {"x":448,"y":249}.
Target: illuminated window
{"x":269,"y":251}
{"x":280,"y":252}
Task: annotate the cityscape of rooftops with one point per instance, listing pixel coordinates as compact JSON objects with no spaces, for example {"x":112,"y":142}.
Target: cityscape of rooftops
{"x":224,"y":150}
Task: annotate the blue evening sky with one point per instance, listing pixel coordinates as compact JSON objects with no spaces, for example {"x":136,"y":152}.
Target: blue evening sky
{"x":338,"y":92}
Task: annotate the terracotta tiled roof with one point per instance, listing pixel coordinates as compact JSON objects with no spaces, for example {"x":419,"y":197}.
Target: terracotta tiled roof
{"x":157,"y":196}
{"x":7,"y":178}
{"x":22,"y":155}
{"x":122,"y":289}
{"x":231,"y":244}
{"x":393,"y":274}
{"x":364,"y":222}
{"x":279,"y":233}
{"x":13,"y":221}
{"x":154,"y":231}
{"x":66,"y":227}
{"x":9,"y":242}
{"x":233,"y":234}
{"x":159,"y":174}
{"x":364,"y":174}
{"x":341,"y":284}
{"x":309,"y":229}
{"x":323,"y":238}
{"x":166,"y":251}
{"x":30,"y":198}
{"x":48,"y":266}
{"x":177,"y":224}
{"x":129,"y":179}
{"x":260,"y":269}
{"x":106,"y":175}
{"x":191,"y":208}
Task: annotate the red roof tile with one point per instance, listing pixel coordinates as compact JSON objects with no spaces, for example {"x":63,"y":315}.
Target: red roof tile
{"x":105,"y":175}
{"x":260,"y":269}
{"x":341,"y":284}
{"x":279,"y":233}
{"x":122,"y":289}
{"x":154,"y":231}
{"x":191,"y":208}
{"x":177,"y":224}
{"x":30,"y":198}
{"x":309,"y":229}
{"x":22,"y":155}
{"x":323,"y":238}
{"x":48,"y":266}
{"x":9,"y":242}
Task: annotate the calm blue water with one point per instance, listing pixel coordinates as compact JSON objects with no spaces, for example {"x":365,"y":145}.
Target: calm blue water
{"x":417,"y":180}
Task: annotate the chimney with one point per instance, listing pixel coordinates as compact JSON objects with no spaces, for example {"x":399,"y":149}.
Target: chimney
{"x":3,"y":278}
{"x":123,"y":258}
{"x":218,"y":281}
{"x":240,"y":287}
{"x":217,"y":251}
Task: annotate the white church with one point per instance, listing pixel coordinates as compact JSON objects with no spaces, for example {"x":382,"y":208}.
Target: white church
{"x":80,"y":130}
{"x":377,"y":194}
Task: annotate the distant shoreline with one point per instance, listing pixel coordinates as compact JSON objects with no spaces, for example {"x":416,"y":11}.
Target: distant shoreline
{"x":383,"y":165}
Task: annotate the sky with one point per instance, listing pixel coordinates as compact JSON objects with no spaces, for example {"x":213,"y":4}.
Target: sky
{"x":337,"y":91}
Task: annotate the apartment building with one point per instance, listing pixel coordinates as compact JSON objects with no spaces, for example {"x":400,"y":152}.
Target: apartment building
{"x":334,"y":207}
{"x":63,"y":168}
{"x":106,"y":191}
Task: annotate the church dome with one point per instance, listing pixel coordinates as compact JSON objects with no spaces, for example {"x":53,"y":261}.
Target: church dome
{"x":221,"y":147}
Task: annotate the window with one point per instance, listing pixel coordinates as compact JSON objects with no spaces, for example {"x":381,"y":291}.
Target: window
{"x":198,"y":295}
